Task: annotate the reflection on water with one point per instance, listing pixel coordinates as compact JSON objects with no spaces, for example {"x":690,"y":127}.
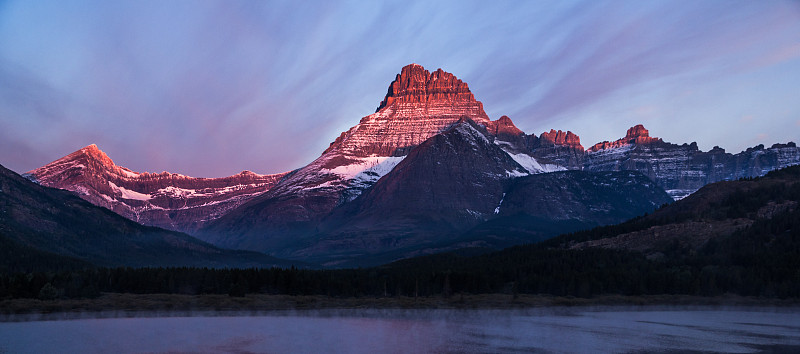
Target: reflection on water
{"x":417,"y":331}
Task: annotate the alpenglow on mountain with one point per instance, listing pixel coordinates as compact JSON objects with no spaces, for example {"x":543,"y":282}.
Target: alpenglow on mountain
{"x":448,"y":167}
{"x":167,"y":200}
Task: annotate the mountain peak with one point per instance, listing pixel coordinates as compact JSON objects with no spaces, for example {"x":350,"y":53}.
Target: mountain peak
{"x":558,"y":137}
{"x":637,"y":131}
{"x":88,"y":154}
{"x":419,"y":104}
{"x":90,"y":158}
{"x":414,"y":84}
{"x":639,"y":135}
{"x":94,"y":152}
{"x":635,"y":135}
{"x":503,"y":127}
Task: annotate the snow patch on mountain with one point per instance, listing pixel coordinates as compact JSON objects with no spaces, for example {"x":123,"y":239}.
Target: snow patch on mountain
{"x":129,"y":194}
{"x":367,"y":168}
{"x":530,"y":164}
{"x":515,"y":174}
{"x":359,"y":175}
{"x":497,"y":210}
{"x":128,"y":173}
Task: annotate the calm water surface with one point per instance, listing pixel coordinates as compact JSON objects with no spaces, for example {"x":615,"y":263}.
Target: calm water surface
{"x":419,"y":331}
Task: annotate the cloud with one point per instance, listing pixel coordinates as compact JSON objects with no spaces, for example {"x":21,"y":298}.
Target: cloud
{"x":216,"y":87}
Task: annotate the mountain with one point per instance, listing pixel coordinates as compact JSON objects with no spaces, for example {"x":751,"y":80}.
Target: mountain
{"x":447,"y":185}
{"x":418,"y":105}
{"x":683,"y":169}
{"x":450,"y":182}
{"x":56,"y":226}
{"x":166,"y":200}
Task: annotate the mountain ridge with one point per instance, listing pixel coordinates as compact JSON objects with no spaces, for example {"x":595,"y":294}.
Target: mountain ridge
{"x":167,"y":200}
{"x":38,"y":219}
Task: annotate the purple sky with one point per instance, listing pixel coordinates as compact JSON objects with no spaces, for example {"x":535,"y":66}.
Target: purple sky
{"x":209,"y":88}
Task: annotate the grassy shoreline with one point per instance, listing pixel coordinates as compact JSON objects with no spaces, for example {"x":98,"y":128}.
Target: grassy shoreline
{"x":133,"y":305}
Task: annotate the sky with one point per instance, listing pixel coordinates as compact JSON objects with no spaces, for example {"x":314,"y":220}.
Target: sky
{"x":211,"y":88}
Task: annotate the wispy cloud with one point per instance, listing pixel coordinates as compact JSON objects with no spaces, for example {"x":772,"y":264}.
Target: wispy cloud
{"x":211,"y":88}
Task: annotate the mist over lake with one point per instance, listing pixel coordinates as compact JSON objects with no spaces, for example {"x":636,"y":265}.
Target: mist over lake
{"x":609,"y":329}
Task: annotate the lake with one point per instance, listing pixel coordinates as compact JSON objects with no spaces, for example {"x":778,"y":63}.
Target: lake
{"x":605,"y":329}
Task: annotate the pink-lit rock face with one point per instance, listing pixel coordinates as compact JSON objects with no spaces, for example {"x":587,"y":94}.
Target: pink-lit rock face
{"x":414,"y":84}
{"x":417,"y":106}
{"x":168,"y":200}
{"x":558,"y":137}
{"x":504,"y":127}
{"x":635,"y":135}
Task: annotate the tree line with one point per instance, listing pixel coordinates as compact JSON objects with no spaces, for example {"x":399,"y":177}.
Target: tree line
{"x":760,"y":260}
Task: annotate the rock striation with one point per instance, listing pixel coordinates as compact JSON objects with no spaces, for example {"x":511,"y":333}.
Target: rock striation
{"x":418,"y":105}
{"x":416,"y":86}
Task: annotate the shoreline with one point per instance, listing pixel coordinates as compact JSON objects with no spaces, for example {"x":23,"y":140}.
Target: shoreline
{"x":112,"y":305}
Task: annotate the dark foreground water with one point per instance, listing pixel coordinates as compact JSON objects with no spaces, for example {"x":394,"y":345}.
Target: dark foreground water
{"x":419,"y":331}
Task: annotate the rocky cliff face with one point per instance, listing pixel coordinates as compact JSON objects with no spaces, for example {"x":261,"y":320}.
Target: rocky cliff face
{"x":683,"y":169}
{"x":418,"y":105}
{"x":558,"y":147}
{"x":167,"y":200}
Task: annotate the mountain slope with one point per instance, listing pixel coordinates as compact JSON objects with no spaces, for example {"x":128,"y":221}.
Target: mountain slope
{"x":57,"y":221}
{"x":447,"y":184}
{"x":450,"y":189}
{"x":538,"y":207}
{"x":718,"y":213}
{"x":167,"y":200}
